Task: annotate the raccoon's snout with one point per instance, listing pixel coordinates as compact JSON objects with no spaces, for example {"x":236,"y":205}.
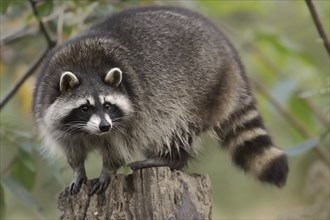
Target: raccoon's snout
{"x":105,"y":126}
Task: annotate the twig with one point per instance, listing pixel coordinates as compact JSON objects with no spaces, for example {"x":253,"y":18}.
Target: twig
{"x":19,"y":83}
{"x":279,"y":73}
{"x":325,"y":120}
{"x":318,"y":25}
{"x":9,"y":165}
{"x":60,"y":21}
{"x":35,"y":65}
{"x":41,"y":25}
{"x":18,"y":34}
{"x":320,"y":150}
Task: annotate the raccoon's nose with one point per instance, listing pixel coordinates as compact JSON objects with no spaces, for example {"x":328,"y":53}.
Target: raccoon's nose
{"x":104,"y":126}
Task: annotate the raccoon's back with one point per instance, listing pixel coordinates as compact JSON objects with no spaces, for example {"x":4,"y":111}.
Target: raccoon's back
{"x":168,"y":41}
{"x":179,"y":57}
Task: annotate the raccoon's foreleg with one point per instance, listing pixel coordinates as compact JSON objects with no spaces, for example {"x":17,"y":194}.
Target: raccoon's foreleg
{"x":79,"y":177}
{"x":108,"y":169}
{"x":76,"y":161}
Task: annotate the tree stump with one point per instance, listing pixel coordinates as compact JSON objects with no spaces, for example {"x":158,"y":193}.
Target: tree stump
{"x":152,"y":193}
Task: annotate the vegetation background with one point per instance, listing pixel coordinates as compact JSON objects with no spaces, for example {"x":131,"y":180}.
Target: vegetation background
{"x":286,"y":61}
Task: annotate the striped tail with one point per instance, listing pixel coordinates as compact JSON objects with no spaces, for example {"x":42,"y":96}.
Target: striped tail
{"x":251,"y":147}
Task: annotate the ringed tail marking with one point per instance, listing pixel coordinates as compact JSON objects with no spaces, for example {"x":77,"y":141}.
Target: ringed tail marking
{"x":251,"y":147}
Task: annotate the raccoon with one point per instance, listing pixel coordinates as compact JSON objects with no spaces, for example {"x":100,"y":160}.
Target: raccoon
{"x":150,"y":80}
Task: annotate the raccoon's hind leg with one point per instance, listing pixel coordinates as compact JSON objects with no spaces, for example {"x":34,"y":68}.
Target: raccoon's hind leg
{"x":244,"y":135}
{"x":174,"y":156}
{"x":174,"y":160}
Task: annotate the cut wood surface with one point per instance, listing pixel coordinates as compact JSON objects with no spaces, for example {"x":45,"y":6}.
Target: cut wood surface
{"x":152,"y":193}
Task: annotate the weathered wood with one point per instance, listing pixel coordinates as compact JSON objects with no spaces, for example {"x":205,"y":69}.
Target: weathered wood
{"x":152,"y":193}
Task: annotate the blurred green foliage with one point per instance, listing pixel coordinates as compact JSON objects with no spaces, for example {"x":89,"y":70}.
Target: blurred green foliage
{"x":279,"y":46}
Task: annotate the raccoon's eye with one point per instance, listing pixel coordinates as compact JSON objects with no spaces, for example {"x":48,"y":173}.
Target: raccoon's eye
{"x":107,"y":105}
{"x":84,"y":108}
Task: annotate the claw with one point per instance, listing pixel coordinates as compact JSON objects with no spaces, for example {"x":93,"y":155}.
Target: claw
{"x":77,"y":182}
{"x":100,"y":185}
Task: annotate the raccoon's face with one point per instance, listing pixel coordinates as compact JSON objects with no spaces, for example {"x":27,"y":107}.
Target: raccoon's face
{"x":95,"y":115}
{"x":90,"y":107}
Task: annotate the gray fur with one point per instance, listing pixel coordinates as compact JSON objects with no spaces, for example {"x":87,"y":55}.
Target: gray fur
{"x":180,"y":77}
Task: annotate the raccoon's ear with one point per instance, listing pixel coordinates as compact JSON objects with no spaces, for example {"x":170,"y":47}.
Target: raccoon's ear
{"x":68,"y":81}
{"x":113,"y":77}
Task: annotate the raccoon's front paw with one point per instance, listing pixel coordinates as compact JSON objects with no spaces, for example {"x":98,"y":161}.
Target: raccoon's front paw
{"x":100,"y":185}
{"x":77,"y":181}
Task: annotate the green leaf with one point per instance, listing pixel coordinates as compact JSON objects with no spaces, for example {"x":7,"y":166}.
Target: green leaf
{"x":29,"y":17}
{"x":2,"y":202}
{"x":45,"y":8}
{"x":23,"y":196}
{"x":284,"y":89}
{"x":24,"y":170}
{"x":298,"y":108}
{"x":303,"y":147}
{"x":67,"y":29}
{"x":280,"y":43}
{"x":4,"y":5}
{"x":282,"y":47}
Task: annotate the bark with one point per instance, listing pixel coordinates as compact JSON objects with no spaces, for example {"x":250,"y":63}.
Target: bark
{"x":152,"y":193}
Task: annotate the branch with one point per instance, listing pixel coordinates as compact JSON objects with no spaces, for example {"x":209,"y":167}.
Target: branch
{"x":20,"y":82}
{"x":152,"y":193}
{"x":35,"y":65}
{"x":13,"y":37}
{"x":9,"y":165}
{"x":318,"y":24}
{"x":41,"y":25}
{"x":323,"y":119}
{"x":320,"y":150}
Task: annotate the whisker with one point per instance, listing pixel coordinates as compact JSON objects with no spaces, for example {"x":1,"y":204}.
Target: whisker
{"x":117,"y":128}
